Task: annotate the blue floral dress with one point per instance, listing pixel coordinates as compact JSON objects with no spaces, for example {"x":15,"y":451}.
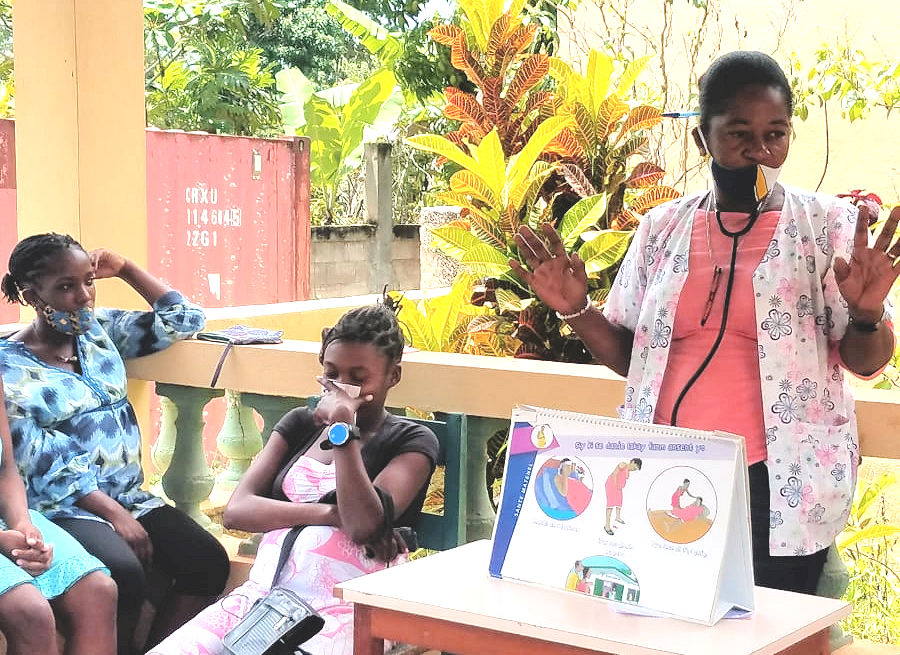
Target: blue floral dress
{"x":75,"y":433}
{"x":70,"y":561}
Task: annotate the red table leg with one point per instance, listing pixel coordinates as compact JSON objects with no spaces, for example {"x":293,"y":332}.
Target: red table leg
{"x":363,"y":641}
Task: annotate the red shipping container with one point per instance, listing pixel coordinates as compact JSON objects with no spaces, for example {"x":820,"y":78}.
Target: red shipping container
{"x":9,"y":313}
{"x":228,"y":217}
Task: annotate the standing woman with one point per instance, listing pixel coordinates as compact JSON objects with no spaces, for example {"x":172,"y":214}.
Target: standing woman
{"x":755,"y":292}
{"x":45,"y":574}
{"x":75,"y":435}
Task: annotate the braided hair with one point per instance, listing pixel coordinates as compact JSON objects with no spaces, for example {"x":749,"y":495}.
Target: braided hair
{"x":30,"y":259}
{"x":373,"y":324}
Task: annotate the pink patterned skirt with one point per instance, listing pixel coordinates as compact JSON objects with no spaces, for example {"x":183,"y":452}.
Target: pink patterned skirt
{"x":321,"y":557}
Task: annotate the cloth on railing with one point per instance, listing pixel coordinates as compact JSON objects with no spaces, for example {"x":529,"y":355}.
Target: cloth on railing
{"x":237,"y":335}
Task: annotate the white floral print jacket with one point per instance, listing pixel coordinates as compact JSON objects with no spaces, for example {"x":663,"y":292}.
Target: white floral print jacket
{"x":808,"y":410}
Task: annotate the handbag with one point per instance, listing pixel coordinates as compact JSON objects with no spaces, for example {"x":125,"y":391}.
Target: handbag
{"x":278,"y":623}
{"x":237,"y":335}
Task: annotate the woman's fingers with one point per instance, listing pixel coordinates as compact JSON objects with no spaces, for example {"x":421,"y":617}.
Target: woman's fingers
{"x":556,"y":247}
{"x":528,"y":255}
{"x":521,"y":271}
{"x":887,"y":232}
{"x":578,"y":269}
{"x":534,"y":243}
{"x":144,"y":551}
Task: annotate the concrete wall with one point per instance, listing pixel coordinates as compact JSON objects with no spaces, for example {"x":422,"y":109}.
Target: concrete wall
{"x":342,"y":260}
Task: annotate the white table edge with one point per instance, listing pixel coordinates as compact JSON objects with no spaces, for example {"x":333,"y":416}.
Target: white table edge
{"x":348,"y":592}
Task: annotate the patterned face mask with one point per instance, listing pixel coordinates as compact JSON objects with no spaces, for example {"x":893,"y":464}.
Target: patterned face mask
{"x":70,"y":323}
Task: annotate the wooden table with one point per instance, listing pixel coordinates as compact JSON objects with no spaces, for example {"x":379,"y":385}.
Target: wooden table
{"x":448,"y":601}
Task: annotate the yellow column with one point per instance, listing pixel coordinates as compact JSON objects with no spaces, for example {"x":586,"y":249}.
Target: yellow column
{"x":80,"y":143}
{"x":81,"y":150}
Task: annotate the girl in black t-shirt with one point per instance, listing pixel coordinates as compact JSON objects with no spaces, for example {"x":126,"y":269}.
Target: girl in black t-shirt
{"x":351,"y":450}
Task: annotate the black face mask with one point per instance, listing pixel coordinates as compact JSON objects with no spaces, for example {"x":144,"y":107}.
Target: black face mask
{"x":747,"y":185}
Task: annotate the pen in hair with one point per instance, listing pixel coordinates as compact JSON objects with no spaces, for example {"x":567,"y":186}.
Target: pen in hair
{"x":680,"y":114}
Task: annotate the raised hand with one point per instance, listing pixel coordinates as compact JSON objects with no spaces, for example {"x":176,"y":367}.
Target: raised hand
{"x":866,"y":279}
{"x":336,"y":405}
{"x":558,"y":279}
{"x":106,"y":263}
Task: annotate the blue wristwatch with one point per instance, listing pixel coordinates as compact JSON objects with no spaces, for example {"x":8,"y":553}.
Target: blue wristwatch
{"x":340,"y":434}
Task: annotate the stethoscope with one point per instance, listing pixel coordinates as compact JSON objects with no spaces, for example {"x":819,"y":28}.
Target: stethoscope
{"x":731,"y":269}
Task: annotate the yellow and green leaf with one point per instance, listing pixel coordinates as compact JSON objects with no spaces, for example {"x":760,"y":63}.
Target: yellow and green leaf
{"x":445,"y":148}
{"x":582,"y":216}
{"x":486,"y":261}
{"x":599,"y":70}
{"x":454,"y":241}
{"x":631,"y":73}
{"x":605,"y":251}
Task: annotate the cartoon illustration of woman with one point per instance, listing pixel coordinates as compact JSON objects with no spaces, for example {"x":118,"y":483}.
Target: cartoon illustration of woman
{"x":541,"y":436}
{"x":680,"y":491}
{"x":692,"y":512}
{"x":563,"y":487}
{"x":615,"y":483}
{"x":552,"y":488}
{"x":586,"y":584}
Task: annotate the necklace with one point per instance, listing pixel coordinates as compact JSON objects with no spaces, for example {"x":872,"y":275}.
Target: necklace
{"x":72,"y":359}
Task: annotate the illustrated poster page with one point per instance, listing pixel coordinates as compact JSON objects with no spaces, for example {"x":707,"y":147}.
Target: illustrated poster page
{"x":627,"y":512}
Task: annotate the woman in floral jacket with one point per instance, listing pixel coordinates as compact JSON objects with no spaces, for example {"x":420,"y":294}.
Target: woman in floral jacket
{"x":739,"y":309}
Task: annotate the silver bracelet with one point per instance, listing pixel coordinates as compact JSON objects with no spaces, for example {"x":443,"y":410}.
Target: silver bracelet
{"x":581,"y":312}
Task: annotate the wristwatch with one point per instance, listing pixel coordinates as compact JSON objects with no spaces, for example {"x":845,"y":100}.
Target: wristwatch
{"x":340,"y":434}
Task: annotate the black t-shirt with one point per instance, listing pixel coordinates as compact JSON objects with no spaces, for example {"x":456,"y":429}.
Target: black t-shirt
{"x":396,"y":436}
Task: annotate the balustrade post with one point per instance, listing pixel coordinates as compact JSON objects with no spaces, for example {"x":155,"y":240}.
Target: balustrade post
{"x":239,"y":441}
{"x":833,"y":583}
{"x":271,"y":408}
{"x":162,"y":450}
{"x":479,"y":510}
{"x":188,"y":480}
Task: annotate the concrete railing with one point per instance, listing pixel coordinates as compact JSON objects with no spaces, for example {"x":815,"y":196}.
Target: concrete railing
{"x":273,"y":378}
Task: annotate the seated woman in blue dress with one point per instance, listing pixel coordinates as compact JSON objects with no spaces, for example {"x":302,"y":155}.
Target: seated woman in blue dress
{"x":45,"y":574}
{"x":75,"y":434}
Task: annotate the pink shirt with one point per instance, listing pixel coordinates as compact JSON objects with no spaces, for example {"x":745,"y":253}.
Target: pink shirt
{"x":728,"y":395}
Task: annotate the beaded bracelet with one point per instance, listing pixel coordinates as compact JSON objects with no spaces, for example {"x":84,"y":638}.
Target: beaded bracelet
{"x":581,"y":312}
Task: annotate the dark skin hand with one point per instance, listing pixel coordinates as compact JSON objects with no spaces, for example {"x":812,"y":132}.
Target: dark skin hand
{"x":865,"y":282}
{"x":336,"y":405}
{"x":21,"y":542}
{"x":867,"y":278}
{"x":29,"y":553}
{"x":122,"y":521}
{"x":560,"y":280}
